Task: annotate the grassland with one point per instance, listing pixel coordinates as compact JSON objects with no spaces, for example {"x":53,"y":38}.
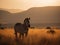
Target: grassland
{"x":35,"y":37}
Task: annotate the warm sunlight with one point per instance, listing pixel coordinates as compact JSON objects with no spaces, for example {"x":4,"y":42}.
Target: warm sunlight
{"x":26,"y":4}
{"x":43,"y":2}
{"x":47,"y":1}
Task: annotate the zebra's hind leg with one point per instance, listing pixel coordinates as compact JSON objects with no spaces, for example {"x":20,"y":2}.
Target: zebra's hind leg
{"x":16,"y":35}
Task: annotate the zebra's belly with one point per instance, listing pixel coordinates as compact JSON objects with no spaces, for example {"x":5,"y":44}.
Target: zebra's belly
{"x":21,"y":30}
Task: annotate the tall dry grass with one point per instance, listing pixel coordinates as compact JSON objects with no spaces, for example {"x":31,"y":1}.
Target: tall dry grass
{"x":35,"y":37}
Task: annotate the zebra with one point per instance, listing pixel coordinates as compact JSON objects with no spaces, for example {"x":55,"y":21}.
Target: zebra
{"x":22,"y":28}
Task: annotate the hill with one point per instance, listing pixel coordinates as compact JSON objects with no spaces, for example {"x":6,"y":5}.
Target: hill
{"x":12,"y":10}
{"x":50,"y":14}
{"x":42,"y":14}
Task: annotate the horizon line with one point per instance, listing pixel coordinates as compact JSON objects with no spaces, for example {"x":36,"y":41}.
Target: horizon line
{"x":29,"y":8}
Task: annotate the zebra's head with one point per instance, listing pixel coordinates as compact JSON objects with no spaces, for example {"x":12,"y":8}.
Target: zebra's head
{"x":27,"y":22}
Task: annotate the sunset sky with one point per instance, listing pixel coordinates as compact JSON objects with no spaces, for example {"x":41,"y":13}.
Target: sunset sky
{"x":26,"y":4}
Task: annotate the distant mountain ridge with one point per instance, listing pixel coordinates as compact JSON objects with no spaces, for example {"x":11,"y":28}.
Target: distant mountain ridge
{"x":12,"y":10}
{"x":50,"y":14}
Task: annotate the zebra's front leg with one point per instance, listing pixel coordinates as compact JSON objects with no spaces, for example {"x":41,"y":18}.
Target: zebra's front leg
{"x":26,"y":33}
{"x":21,"y":35}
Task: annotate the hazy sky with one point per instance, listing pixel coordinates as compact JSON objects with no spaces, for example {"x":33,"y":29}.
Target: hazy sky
{"x":26,"y":4}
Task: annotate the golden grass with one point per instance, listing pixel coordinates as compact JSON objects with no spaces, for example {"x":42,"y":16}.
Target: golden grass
{"x":35,"y":37}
